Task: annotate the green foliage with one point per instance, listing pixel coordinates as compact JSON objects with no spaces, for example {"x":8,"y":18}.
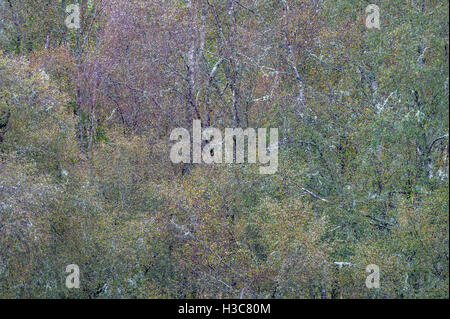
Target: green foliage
{"x":86,"y":179}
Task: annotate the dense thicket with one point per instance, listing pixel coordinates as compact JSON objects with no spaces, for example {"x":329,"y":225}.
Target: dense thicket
{"x":86,"y":178}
